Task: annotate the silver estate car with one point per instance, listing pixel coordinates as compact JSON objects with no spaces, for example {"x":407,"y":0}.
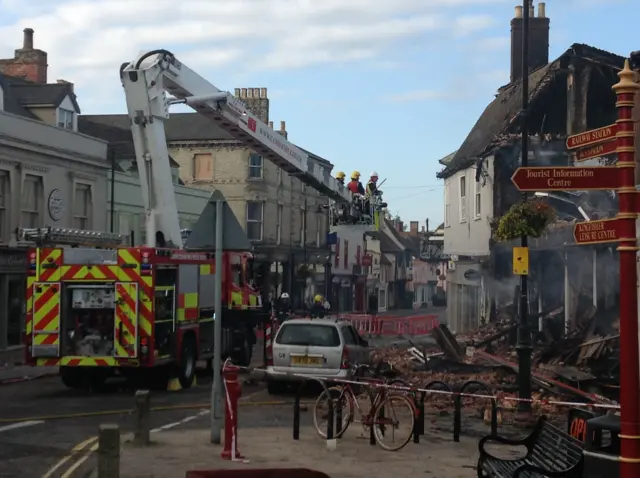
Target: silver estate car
{"x":314,"y":347}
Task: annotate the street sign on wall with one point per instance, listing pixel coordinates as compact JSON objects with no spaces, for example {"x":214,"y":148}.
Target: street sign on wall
{"x":596,"y":151}
{"x":596,"y":232}
{"x":565,"y":178}
{"x":589,"y":138}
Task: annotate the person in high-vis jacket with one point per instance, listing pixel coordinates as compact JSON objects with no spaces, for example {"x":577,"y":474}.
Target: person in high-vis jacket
{"x":355,"y":186}
{"x":371,"y":191}
{"x":317,"y":308}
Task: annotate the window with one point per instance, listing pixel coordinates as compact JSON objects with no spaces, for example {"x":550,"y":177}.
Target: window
{"x":279,"y":223}
{"x":32,"y":201}
{"x":82,"y":207}
{"x":65,"y":118}
{"x":463,"y":198}
{"x":255,"y":217}
{"x":279,"y":177}
{"x":318,"y":229}
{"x":4,"y":203}
{"x":447,"y":203}
{"x":124,"y":226}
{"x":203,"y":167}
{"x":477,"y":206}
{"x":310,"y":335}
{"x":255,"y":167}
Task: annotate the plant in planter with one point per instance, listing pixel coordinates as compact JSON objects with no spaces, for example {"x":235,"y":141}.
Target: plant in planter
{"x":526,"y":218}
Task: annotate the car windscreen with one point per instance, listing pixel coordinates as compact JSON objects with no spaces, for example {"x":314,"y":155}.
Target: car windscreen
{"x":313,"y":335}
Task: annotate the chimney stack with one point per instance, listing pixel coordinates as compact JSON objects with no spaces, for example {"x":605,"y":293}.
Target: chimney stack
{"x":538,"y":40}
{"x":27,"y":63}
{"x":271,"y":124}
{"x":256,"y":101}
{"x":65,"y":82}
{"x":283,"y":129}
{"x":413,"y":227}
{"x":27,"y":41}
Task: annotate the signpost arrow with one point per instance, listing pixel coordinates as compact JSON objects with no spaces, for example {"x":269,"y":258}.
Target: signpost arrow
{"x":564,"y":178}
{"x":595,"y":232}
{"x":596,"y":151}
{"x":590,"y":138}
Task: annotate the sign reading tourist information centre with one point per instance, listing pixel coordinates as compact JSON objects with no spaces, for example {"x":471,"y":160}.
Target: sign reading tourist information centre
{"x":565,"y":178}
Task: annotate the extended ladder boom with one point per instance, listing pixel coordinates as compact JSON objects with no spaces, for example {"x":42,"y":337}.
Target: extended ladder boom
{"x":146,"y":82}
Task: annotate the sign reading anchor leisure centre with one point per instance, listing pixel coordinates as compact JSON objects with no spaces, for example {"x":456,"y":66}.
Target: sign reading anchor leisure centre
{"x":595,"y":232}
{"x":563,"y":178}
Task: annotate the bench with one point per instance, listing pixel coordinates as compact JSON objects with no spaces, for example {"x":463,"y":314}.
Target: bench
{"x":550,"y":453}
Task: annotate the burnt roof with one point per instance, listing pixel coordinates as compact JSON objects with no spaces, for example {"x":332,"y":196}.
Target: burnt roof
{"x":500,"y":116}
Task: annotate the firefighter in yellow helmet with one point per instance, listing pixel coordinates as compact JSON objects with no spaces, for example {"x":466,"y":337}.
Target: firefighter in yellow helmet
{"x":340,"y":177}
{"x":355,"y":186}
{"x":317,"y":308}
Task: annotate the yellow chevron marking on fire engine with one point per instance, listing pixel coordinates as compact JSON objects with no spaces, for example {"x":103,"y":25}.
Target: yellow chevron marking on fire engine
{"x":128,"y":258}
{"x":30,"y":281}
{"x":253,"y":300}
{"x":236,"y":300}
{"x":206,"y":269}
{"x":127,"y":316}
{"x":53,"y":256}
{"x":88,"y":361}
{"x":46,"y":319}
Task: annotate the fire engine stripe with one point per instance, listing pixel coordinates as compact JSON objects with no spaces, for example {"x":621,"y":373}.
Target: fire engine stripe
{"x":45,"y":320}
{"x":50,"y":339}
{"x":124,"y":318}
{"x":49,"y":256}
{"x":45,"y":296}
{"x":123,"y":292}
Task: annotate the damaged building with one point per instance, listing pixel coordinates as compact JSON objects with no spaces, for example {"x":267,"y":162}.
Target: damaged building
{"x":573,"y":290}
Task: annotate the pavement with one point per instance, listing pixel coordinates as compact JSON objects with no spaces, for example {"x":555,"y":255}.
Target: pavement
{"x":176,"y":451}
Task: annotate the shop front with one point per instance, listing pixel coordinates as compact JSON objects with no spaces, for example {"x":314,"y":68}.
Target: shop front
{"x":13,"y":267}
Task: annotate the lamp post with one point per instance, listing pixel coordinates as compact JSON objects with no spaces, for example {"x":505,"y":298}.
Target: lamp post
{"x":524,"y":335}
{"x":628,"y":205}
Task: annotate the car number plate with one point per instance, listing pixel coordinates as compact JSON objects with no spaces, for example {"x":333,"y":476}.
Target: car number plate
{"x":305,"y":360}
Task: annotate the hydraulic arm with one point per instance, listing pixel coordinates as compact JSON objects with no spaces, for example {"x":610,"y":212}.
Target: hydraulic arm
{"x":146,"y":82}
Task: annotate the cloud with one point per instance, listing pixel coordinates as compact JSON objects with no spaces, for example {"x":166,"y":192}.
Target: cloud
{"x":88,"y":40}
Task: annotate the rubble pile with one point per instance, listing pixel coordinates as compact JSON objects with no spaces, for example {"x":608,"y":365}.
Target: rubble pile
{"x":580,"y":366}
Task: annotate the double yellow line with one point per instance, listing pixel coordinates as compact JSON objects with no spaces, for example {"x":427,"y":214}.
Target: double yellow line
{"x":82,"y":450}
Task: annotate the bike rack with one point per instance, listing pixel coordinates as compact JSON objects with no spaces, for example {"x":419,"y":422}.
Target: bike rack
{"x":296,"y":409}
{"x":421,"y":418}
{"x":457,"y":408}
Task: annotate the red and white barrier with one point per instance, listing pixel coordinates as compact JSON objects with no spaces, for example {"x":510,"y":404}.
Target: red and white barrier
{"x":412,"y":325}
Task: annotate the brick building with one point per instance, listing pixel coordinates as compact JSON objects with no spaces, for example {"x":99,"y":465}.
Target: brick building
{"x":283,"y":218}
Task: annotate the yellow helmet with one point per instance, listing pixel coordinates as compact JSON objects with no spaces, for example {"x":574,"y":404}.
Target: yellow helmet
{"x":340,"y":175}
{"x":317,"y":298}
{"x":355,"y":175}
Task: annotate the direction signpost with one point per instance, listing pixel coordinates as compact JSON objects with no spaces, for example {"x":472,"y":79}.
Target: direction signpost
{"x":598,"y":232}
{"x":563,"y":178}
{"x":589,"y":138}
{"x":596,"y":151}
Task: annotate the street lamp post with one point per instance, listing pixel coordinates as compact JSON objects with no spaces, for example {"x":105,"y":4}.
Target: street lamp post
{"x":524,"y":335}
{"x":628,"y":206}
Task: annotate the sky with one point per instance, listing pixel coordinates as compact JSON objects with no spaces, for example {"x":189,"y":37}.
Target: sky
{"x":390,"y":86}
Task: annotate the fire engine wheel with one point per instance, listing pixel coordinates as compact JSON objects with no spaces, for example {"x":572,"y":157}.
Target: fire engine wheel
{"x":187,"y":369}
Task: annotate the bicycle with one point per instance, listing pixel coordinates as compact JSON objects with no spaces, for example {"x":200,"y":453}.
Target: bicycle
{"x":381,"y":416}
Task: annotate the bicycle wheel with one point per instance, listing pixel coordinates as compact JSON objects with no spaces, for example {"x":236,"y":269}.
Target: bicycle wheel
{"x":341,"y":399}
{"x":394,"y":412}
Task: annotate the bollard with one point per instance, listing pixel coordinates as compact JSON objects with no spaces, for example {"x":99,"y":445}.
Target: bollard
{"x":109,"y":451}
{"x":141,"y":434}
{"x":457,"y":417}
{"x":296,"y":410}
{"x":232,"y":395}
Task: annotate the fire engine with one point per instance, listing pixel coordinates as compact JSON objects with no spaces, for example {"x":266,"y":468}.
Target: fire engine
{"x":97,"y":307}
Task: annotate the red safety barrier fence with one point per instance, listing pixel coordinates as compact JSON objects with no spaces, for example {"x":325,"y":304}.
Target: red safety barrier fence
{"x":412,"y":325}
